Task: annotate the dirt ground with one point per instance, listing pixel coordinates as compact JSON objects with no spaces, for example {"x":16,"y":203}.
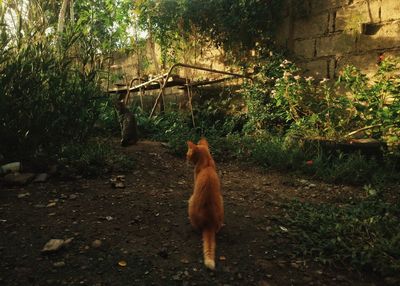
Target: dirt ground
{"x":145,"y":225}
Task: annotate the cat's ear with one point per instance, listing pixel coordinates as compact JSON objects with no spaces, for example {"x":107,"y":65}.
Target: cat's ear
{"x":203,"y":141}
{"x":191,"y":145}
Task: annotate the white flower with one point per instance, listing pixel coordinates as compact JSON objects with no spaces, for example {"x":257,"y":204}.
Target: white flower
{"x":297,"y":77}
{"x":286,"y":74}
{"x":324,"y":80}
{"x":310,"y":78}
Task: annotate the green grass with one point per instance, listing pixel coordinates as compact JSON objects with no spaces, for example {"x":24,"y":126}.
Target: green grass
{"x":270,"y":151}
{"x":94,"y":158}
{"x":364,"y":234}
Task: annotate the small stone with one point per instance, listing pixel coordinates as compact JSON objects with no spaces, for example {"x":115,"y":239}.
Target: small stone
{"x":20,"y":196}
{"x":184,"y":261}
{"x":340,"y":278}
{"x":119,"y":185}
{"x":73,"y":197}
{"x":52,"y":204}
{"x":295,"y":265}
{"x":312,"y":185}
{"x":304,"y":182}
{"x":68,"y":240}
{"x":41,"y":178}
{"x":18,"y":178}
{"x":53,"y":245}
{"x":163,"y":253}
{"x":96,"y":243}
{"x":39,"y":206}
{"x":178,"y":276}
{"x":121,"y":178}
{"x":59,"y":264}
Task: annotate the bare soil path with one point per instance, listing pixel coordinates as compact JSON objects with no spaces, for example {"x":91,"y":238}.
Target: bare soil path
{"x":145,"y":225}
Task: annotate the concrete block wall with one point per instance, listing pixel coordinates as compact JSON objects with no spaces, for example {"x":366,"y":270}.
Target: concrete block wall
{"x":326,"y":35}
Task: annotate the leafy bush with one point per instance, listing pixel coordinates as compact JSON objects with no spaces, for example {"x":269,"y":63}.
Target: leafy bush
{"x":364,"y":234}
{"x":45,"y":100}
{"x":283,"y":102}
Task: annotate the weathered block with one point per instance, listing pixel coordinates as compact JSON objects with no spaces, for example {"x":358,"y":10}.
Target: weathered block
{"x":317,"y":68}
{"x":311,"y":26}
{"x":282,"y":33}
{"x":387,"y":36}
{"x":317,"y":6}
{"x":390,"y":10}
{"x":352,"y":17}
{"x":304,"y":48}
{"x":392,"y":54}
{"x":335,"y":44}
{"x":367,"y":63}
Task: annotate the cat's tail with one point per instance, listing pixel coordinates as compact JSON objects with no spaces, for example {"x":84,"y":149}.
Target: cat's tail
{"x":209,"y":248}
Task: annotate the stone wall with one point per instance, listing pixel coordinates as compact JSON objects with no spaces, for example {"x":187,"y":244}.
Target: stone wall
{"x":326,"y":35}
{"x":126,"y":65}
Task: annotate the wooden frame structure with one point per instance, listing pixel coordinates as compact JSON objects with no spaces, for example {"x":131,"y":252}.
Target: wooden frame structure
{"x":162,"y":81}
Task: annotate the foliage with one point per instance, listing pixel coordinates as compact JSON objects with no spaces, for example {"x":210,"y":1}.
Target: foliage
{"x":364,"y":234}
{"x":49,"y":83}
{"x":237,"y":26}
{"x":281,"y":101}
{"x":377,"y":103}
{"x":108,"y":121}
{"x":44,"y":100}
{"x":107,"y":22}
{"x":94,"y":158}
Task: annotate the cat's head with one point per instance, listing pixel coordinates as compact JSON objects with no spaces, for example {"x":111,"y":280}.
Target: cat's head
{"x":191,"y":152}
{"x":203,"y":141}
{"x":194,"y":151}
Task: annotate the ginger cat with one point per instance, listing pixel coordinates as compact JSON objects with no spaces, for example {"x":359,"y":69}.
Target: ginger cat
{"x":206,"y":209}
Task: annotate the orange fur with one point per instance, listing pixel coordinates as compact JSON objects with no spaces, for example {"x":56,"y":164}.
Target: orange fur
{"x":206,"y":210}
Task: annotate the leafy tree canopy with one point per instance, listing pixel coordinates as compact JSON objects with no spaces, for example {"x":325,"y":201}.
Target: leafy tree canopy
{"x":237,"y":26}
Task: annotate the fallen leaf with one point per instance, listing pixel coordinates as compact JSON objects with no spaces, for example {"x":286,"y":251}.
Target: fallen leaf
{"x":222,"y":258}
{"x":122,"y":263}
{"x":283,"y":228}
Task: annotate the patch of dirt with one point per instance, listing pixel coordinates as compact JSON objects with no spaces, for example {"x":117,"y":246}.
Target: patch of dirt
{"x":140,"y":234}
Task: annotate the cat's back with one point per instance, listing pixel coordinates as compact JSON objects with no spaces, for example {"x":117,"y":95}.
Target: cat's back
{"x":208,"y":179}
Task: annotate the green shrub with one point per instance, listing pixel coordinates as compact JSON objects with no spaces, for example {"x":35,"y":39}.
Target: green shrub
{"x":45,"y":101}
